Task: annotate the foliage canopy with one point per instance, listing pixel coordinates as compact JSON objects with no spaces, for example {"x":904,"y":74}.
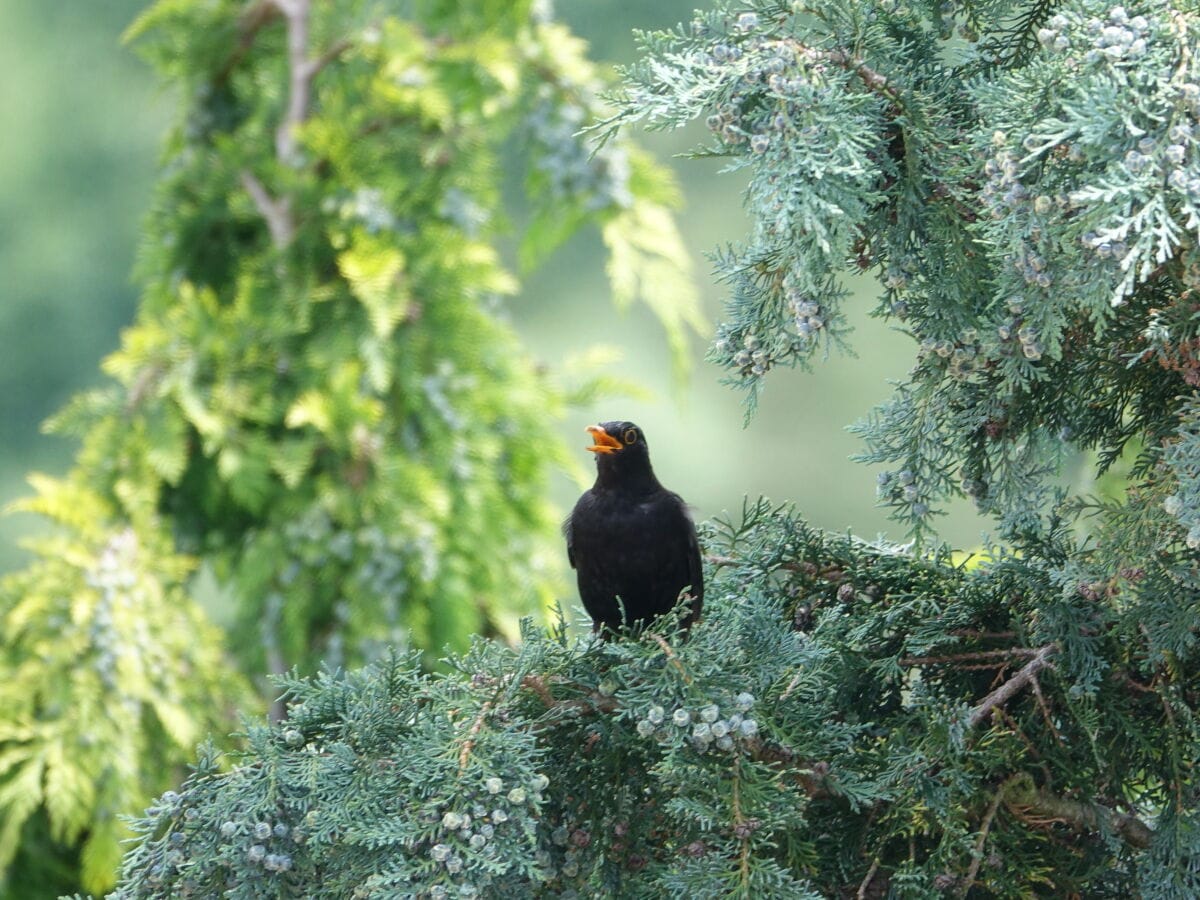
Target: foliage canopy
{"x":852,"y":719}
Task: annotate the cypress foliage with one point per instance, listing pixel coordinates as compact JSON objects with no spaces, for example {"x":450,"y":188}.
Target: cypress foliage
{"x":321,"y":424}
{"x":852,"y":719}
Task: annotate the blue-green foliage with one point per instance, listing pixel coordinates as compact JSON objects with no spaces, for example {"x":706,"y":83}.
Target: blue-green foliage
{"x":830,"y":725}
{"x":1022,"y":178}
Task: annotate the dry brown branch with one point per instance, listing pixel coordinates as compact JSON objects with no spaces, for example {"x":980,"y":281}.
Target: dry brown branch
{"x":1001,"y":657}
{"x":984,"y":827}
{"x":1007,"y":690}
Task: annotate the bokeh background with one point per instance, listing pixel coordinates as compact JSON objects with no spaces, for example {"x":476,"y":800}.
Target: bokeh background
{"x":81,"y":119}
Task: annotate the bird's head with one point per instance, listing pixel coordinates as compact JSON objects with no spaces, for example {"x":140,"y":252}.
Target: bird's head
{"x":621,"y":451}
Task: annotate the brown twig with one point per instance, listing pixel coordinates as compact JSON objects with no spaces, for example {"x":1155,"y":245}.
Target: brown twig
{"x":866,"y":882}
{"x":671,"y":656}
{"x":1001,"y":656}
{"x":984,"y":827}
{"x":472,"y":734}
{"x":1045,"y":708}
{"x":1007,"y":690}
{"x":974,"y":634}
{"x":875,"y":81}
{"x":536,"y":684}
{"x":252,"y":20}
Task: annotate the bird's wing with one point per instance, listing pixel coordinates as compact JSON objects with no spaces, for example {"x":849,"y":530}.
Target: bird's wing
{"x":694,"y":563}
{"x":695,"y":566}
{"x":568,"y":533}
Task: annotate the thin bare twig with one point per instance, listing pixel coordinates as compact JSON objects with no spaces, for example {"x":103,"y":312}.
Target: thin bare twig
{"x":671,"y":656}
{"x":1044,"y":707}
{"x":984,"y":827}
{"x":975,"y":634}
{"x":1007,"y":690}
{"x":1001,"y":656}
{"x":469,"y":743}
{"x":866,"y":882}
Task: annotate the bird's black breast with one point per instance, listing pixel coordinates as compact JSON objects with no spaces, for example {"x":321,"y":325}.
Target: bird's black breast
{"x":639,"y":548}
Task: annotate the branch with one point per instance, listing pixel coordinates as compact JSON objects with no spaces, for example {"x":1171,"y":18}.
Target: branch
{"x":1006,"y":691}
{"x":299,"y":80}
{"x":302,"y":70}
{"x":984,"y":827}
{"x":874,"y":81}
{"x":1038,"y":806}
{"x":866,"y":882}
{"x":671,"y":656}
{"x":469,"y":743}
{"x":1000,"y":656}
{"x":278,"y":213}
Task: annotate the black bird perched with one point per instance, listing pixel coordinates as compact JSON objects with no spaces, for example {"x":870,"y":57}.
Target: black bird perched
{"x":630,"y":538}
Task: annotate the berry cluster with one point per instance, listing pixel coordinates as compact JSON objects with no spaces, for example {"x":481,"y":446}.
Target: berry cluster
{"x":571,"y":165}
{"x":470,"y":825}
{"x":902,"y":487}
{"x":1108,"y":41}
{"x":703,"y":728}
{"x":1018,"y":330}
{"x":115,"y":579}
{"x":963,"y":356}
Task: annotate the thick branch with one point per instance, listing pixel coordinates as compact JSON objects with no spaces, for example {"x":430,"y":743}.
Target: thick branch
{"x":301,"y":72}
{"x":1038,"y":806}
{"x":296,"y":13}
{"x":278,"y":213}
{"x":1006,"y":691}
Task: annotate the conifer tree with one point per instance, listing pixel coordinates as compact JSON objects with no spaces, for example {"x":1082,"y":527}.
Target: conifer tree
{"x":321,"y":415}
{"x":852,"y":719}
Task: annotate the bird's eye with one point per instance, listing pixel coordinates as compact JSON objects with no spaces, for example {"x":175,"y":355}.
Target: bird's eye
{"x":630,"y":435}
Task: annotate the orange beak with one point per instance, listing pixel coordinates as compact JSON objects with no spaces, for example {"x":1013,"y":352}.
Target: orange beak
{"x":604,"y":442}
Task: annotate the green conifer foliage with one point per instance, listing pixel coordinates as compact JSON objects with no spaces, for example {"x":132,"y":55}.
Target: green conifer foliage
{"x":321,"y":407}
{"x":848,"y":720}
{"x":852,"y":719}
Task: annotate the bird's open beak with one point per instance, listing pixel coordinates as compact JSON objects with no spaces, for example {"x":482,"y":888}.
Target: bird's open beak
{"x":605,"y":442}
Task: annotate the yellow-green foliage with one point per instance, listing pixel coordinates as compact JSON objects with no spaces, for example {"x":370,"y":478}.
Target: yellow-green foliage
{"x":112,"y":675}
{"x":321,"y":401}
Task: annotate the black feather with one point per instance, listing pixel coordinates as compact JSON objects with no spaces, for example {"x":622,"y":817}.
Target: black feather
{"x":632,"y":542}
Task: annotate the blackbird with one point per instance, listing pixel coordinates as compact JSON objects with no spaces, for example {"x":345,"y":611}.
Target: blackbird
{"x":630,"y":540}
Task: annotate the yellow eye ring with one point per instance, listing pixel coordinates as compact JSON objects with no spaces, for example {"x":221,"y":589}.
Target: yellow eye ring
{"x":630,"y":435}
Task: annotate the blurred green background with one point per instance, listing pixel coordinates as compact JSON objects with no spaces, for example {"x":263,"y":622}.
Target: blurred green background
{"x":81,"y":119}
